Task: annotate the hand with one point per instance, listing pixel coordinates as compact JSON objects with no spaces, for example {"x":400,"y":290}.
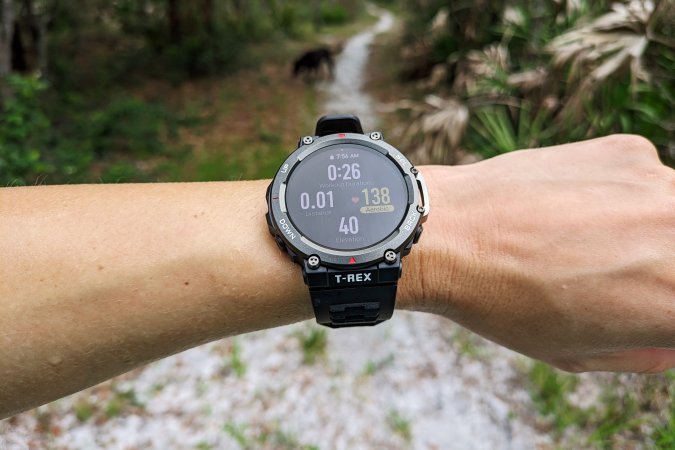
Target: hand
{"x":565,"y":254}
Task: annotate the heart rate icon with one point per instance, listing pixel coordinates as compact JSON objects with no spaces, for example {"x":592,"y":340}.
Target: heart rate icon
{"x":355,"y":199}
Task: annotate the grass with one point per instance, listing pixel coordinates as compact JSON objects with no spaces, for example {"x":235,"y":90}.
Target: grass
{"x":121,"y":401}
{"x":235,"y":363}
{"x":632,"y":410}
{"x":237,"y":432}
{"x":268,"y":437}
{"x":549,"y":389}
{"x":400,"y":425}
{"x":664,"y":435}
{"x":313,"y":342}
{"x":372,"y":367}
{"x":467,"y":343}
{"x":84,"y":410}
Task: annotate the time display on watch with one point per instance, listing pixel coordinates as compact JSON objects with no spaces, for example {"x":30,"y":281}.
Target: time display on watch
{"x":346,"y":196}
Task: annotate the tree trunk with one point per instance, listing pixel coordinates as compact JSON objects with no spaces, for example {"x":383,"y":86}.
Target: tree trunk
{"x":6,"y":34}
{"x":42,"y":52}
{"x":173,"y":14}
{"x":208,"y":16}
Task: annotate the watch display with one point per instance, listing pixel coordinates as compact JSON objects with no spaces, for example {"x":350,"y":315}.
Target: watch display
{"x":346,"y":196}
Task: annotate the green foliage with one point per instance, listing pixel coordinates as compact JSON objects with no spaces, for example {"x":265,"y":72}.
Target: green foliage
{"x":236,"y":363}
{"x":664,"y":435}
{"x":468,"y":343}
{"x":121,"y":401}
{"x":313,"y":343}
{"x":549,"y":389}
{"x":202,"y":54}
{"x":626,"y":408}
{"x":84,"y":410}
{"x":92,"y":122}
{"x":619,"y":412}
{"x":372,"y":367}
{"x":130,"y":126}
{"x":237,"y":432}
{"x":269,"y":437}
{"x":493,"y":49}
{"x":24,"y":131}
{"x":334,"y":14}
{"x":400,"y":425}
{"x":499,"y":129}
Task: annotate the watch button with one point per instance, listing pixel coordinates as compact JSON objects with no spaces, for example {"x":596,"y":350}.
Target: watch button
{"x":406,"y":250}
{"x":418,"y":233}
{"x":280,"y":243}
{"x":292,"y":255}
{"x":269,"y":223}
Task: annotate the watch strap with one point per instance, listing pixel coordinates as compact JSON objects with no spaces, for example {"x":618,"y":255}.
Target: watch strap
{"x":350,"y":307}
{"x":353,"y":297}
{"x":343,"y":123}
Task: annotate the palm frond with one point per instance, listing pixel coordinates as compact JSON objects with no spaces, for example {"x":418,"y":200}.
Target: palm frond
{"x":436,"y":129}
{"x":602,"y":48}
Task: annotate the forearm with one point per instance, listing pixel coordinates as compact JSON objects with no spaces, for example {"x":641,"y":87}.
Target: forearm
{"x":99,"y":279}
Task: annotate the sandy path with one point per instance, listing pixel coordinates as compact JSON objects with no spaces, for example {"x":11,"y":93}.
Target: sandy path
{"x":345,"y":93}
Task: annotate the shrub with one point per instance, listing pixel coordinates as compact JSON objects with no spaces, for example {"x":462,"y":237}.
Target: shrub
{"x":24,"y":131}
{"x":132,"y":126}
{"x":334,"y":14}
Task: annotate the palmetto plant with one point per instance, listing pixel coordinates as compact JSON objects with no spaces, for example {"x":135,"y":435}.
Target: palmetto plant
{"x":436,"y":128}
{"x":602,"y":48}
{"x":612,"y":71}
{"x":501,"y":129}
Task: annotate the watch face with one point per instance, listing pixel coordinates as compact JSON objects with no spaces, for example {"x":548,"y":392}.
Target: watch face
{"x":346,"y":197}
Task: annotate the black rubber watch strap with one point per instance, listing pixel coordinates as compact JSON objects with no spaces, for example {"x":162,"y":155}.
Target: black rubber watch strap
{"x":353,"y":297}
{"x":344,"y":123}
{"x":358,"y":306}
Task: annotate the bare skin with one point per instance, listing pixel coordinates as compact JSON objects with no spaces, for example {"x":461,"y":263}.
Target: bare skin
{"x":564,"y":254}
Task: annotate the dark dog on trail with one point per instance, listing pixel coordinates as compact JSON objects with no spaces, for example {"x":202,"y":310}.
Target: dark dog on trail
{"x":311,"y":61}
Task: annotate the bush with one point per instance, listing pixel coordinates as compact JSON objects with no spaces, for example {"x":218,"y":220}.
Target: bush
{"x":334,"y":14}
{"x":130,"y":126}
{"x":203,"y":54}
{"x":24,"y":131}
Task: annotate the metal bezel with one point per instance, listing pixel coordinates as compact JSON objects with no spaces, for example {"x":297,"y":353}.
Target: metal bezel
{"x":303,"y":247}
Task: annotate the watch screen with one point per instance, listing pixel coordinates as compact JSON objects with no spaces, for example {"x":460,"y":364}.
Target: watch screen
{"x":346,"y":197}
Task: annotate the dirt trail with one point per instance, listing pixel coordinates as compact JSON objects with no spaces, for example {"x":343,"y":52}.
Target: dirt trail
{"x":345,"y":93}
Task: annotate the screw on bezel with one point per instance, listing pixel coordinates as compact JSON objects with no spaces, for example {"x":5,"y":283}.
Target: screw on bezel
{"x":376,"y":135}
{"x":313,"y":262}
{"x":307,"y":140}
{"x":390,"y":256}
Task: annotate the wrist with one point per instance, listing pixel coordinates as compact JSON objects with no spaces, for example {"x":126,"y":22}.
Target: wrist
{"x":441,"y":272}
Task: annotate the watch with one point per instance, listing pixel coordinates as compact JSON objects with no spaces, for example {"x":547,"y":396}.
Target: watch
{"x":347,"y":206}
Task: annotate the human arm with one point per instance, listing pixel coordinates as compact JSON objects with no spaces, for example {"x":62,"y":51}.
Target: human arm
{"x":99,"y":279}
{"x":564,"y":254}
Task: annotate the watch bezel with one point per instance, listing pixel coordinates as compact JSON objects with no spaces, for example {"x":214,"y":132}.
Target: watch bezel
{"x":303,"y":247}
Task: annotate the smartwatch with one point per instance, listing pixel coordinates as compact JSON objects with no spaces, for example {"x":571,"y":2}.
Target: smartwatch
{"x":347,"y":206}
